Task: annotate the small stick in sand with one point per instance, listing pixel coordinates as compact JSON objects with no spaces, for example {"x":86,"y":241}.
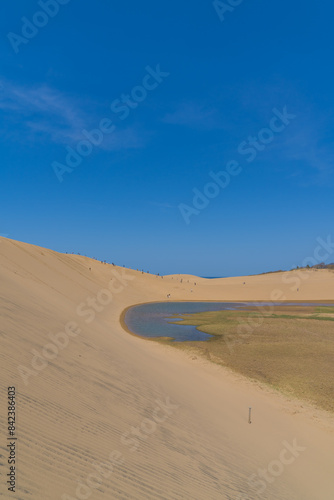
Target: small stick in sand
{"x":250,"y":415}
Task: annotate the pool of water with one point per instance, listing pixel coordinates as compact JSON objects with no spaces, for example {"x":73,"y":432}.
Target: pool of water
{"x":155,"y":319}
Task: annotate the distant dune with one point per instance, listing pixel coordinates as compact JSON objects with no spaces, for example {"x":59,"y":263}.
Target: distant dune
{"x":102,"y":414}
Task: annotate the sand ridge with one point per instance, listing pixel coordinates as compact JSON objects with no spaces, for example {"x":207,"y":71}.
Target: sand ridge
{"x":90,"y":400}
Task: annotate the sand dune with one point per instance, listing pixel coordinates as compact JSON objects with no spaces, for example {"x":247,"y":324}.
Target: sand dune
{"x":174,"y":427}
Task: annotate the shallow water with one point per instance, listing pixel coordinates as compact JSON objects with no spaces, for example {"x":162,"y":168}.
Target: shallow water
{"x":154,"y":319}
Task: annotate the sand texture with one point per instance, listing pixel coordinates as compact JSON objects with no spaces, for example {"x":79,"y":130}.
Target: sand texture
{"x":78,"y":409}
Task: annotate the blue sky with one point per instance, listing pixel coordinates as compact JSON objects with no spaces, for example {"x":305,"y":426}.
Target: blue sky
{"x":182,"y":88}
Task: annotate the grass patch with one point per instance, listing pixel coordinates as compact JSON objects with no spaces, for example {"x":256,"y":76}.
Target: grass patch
{"x":291,"y":349}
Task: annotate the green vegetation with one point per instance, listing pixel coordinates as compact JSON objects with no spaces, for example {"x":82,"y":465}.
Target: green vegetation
{"x":291,"y":349}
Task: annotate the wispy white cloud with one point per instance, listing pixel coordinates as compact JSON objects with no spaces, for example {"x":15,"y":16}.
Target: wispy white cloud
{"x":307,"y":148}
{"x":162,"y":205}
{"x":128,"y":138}
{"x":41,"y":109}
{"x":42,"y":112}
{"x":305,"y":143}
{"x":193,"y":115}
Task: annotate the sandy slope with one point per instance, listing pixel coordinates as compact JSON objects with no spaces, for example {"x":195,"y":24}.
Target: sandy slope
{"x":87,"y":402}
